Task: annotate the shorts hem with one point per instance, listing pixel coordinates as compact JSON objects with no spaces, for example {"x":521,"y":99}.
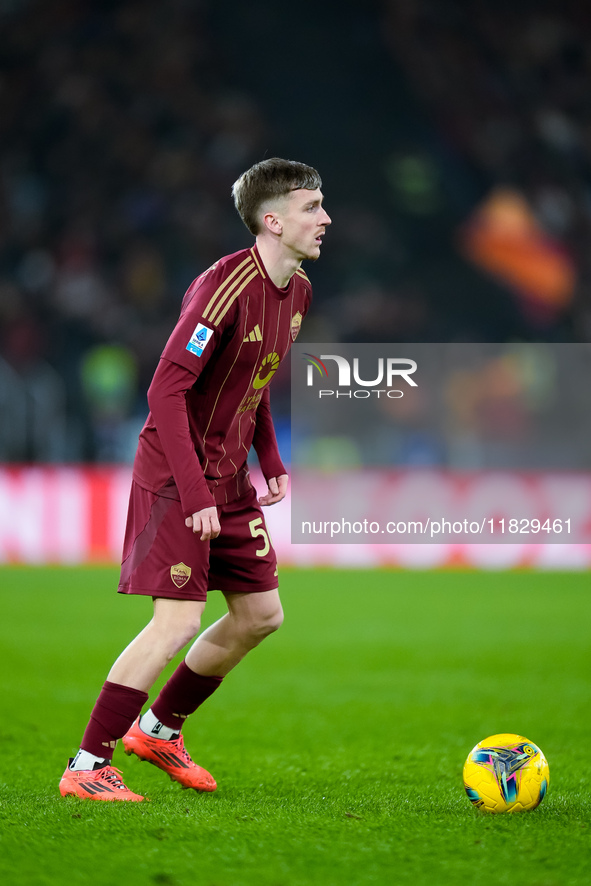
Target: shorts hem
{"x":196,"y":595}
{"x":244,"y":589}
{"x":199,"y":596}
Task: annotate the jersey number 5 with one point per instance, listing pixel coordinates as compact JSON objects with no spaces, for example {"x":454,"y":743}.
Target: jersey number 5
{"x":255,"y":530}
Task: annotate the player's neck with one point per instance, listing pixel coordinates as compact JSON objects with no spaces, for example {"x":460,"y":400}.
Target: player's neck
{"x":279,"y":266}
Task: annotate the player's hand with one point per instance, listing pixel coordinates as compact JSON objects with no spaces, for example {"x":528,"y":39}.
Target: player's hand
{"x":206,"y":522}
{"x":277,"y":490}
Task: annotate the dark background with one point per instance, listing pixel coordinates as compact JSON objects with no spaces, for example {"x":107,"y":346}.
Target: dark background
{"x":124,"y":124}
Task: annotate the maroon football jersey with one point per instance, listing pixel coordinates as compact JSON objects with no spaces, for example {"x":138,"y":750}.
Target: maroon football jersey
{"x":209,"y":398}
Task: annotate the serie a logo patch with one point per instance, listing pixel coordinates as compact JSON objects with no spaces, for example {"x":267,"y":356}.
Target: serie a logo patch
{"x":199,"y":339}
{"x":180,"y":574}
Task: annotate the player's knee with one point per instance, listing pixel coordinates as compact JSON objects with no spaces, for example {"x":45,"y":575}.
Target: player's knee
{"x":176,"y":635}
{"x":269,"y":622}
{"x":276,"y":620}
{"x":187,"y":632}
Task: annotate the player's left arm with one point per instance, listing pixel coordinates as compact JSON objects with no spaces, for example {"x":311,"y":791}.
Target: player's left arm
{"x":267,"y":450}
{"x":277,"y":490}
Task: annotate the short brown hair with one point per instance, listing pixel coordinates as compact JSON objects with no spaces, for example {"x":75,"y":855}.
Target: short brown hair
{"x":267,"y":180}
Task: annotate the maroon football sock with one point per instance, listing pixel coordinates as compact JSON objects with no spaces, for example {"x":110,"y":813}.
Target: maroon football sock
{"x":115,"y":710}
{"x":182,"y":695}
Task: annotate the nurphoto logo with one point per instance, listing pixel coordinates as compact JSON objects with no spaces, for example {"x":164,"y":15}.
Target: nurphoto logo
{"x":389,"y":371}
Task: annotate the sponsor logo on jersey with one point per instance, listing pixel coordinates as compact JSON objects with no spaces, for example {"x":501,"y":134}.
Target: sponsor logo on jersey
{"x":296,"y":323}
{"x":266,"y":370}
{"x":180,"y":574}
{"x":199,"y":339}
{"x":255,"y":335}
{"x":249,"y":403}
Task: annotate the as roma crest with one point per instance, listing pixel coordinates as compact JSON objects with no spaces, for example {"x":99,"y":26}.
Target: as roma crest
{"x":296,"y":322}
{"x":180,"y":574}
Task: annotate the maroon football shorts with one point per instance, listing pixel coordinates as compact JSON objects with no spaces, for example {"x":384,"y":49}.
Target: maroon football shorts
{"x":164,"y":558}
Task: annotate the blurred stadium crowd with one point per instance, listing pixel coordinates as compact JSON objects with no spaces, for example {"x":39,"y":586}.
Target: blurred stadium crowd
{"x":465,"y":217}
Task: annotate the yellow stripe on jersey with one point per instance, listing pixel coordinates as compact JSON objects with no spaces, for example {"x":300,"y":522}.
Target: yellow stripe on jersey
{"x":234,"y":297}
{"x":226,"y":287}
{"x":256,"y":261}
{"x":301,"y":273}
{"x":219,"y":310}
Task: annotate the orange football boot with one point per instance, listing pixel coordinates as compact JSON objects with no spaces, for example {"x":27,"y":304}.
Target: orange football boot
{"x":170,"y":756}
{"x":96,"y":784}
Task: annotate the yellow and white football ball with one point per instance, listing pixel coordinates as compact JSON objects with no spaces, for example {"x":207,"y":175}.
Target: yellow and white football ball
{"x":506,"y":773}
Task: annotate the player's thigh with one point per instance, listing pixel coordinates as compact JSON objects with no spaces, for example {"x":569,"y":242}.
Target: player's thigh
{"x":173,"y":617}
{"x":242,"y":558}
{"x":161,"y":556}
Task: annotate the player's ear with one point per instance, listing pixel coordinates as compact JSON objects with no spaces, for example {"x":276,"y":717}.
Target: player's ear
{"x":272,"y":223}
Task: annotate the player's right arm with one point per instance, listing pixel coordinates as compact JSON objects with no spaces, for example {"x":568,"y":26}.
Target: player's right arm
{"x":205,"y":522}
{"x":168,"y":407}
{"x":194,"y":341}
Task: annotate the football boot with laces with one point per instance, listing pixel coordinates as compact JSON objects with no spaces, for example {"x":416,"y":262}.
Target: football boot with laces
{"x":104,"y":783}
{"x":170,"y":756}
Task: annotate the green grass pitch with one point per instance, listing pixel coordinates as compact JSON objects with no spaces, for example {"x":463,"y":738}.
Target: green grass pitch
{"x":338,"y":745}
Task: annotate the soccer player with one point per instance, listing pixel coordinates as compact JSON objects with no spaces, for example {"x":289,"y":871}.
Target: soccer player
{"x":194,"y":521}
